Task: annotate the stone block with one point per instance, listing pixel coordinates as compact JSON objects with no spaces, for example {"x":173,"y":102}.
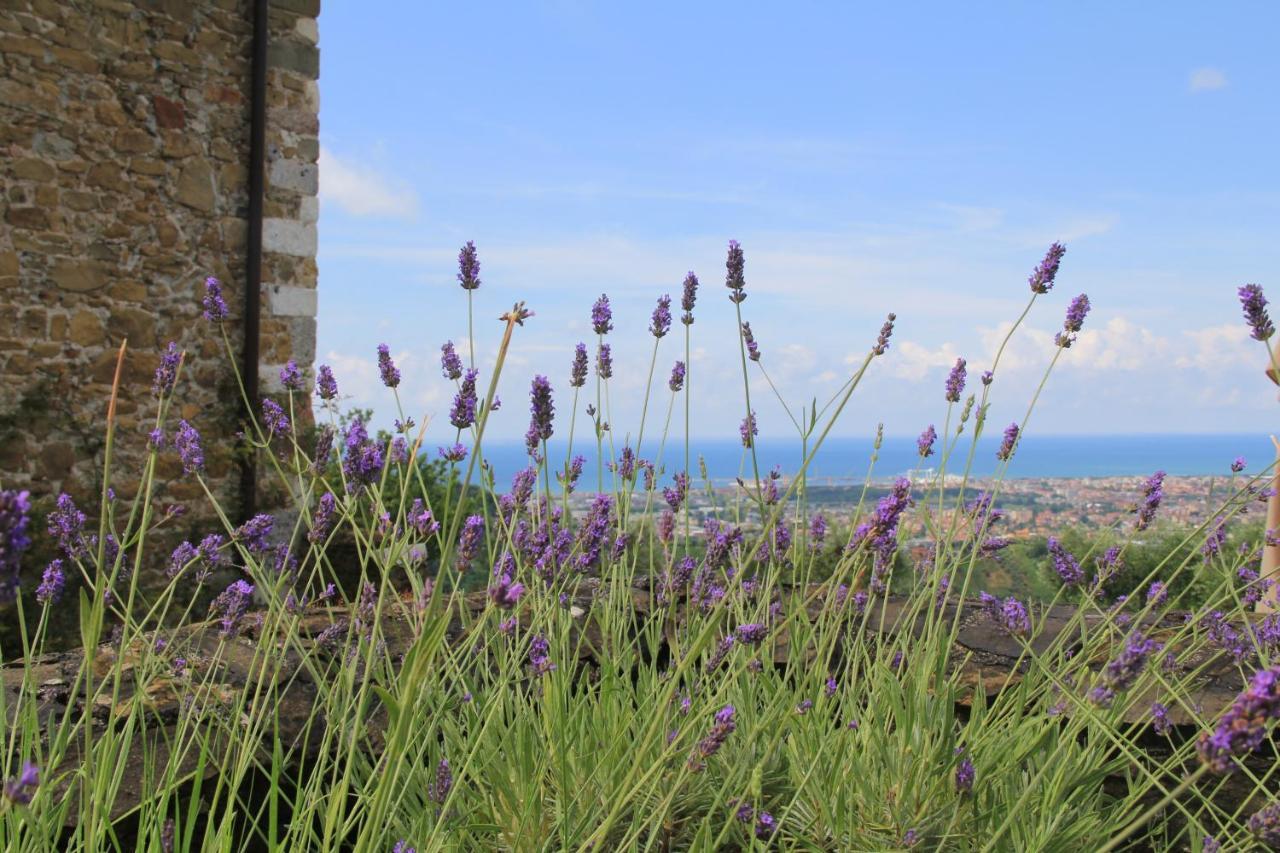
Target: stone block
{"x":289,"y":237}
{"x":32,"y":169}
{"x":78,"y":275}
{"x":307,"y":8}
{"x":31,"y":218}
{"x":309,"y":209}
{"x":296,"y":175}
{"x":195,"y":186}
{"x":171,"y":115}
{"x":308,"y":29}
{"x":297,"y":56}
{"x":288,"y":301}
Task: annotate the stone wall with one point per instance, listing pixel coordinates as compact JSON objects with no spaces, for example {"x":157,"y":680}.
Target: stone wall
{"x":124,"y":170}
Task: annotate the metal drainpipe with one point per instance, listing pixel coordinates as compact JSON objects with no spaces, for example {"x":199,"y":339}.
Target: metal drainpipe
{"x":253,"y":261}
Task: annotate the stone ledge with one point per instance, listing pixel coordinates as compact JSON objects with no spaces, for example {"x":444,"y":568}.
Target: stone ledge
{"x":288,"y":301}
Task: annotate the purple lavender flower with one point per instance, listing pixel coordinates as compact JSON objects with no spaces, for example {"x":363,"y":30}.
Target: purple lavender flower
{"x":1255,"y":312}
{"x":291,"y":376}
{"x":1120,"y":672}
{"x":322,"y":521}
{"x":710,"y":745}
{"x":734,"y":279}
{"x":569,"y":478}
{"x":255,"y":534}
{"x":215,"y":307}
{"x":15,"y":518}
{"x":886,"y":331}
{"x":1076,"y":312}
{"x":273,"y":417}
{"x":602,"y":315}
{"x":675,"y":494}
{"x":924,"y":444}
{"x":987,"y":376}
{"x":676,"y":382}
{"x":66,"y":524}
{"x":231,"y":605}
{"x":386,"y":367}
{"x":955,"y":381}
{"x":1010,"y":441}
{"x":469,"y":540}
{"x":748,"y":429}
{"x":187,"y":443}
{"x":688,"y":298}
{"x":1064,"y":563}
{"x":540,"y":655}
{"x":1011,"y":615}
{"x":1160,"y":719}
{"x":661,"y":322}
{"x":505,"y":593}
{"x":450,"y":362}
{"x":1243,"y":726}
{"x":468,"y":267}
{"x":804,"y":706}
{"x":766,"y":825}
{"x":542,"y":411}
{"x":403,"y":846}
{"x":753,"y":349}
{"x":1213,"y":542}
{"x":1157,"y":594}
{"x":1238,"y":465}
{"x":964,"y":776}
{"x":326,"y":385}
{"x":20,"y":790}
{"x":1265,"y":825}
{"x":51,"y":583}
{"x":1152,"y":494}
{"x":463,"y":413}
{"x":456,"y":453}
{"x":1042,"y":276}
{"x":604,"y":361}
{"x":817,"y":530}
{"x":363,"y":462}
{"x":167,"y":372}
{"x":578,"y":370}
{"x":438,"y":791}
{"x":752,"y":633}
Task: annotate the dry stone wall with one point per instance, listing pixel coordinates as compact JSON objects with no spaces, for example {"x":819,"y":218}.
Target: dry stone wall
{"x":124,"y":181}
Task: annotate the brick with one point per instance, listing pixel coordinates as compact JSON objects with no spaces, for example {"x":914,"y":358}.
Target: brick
{"x":289,"y":237}
{"x":288,"y":301}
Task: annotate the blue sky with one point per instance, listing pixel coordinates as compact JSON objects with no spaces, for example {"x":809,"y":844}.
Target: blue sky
{"x":915,"y":158}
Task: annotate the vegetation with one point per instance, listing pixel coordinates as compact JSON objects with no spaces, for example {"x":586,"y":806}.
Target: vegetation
{"x":628,"y":679}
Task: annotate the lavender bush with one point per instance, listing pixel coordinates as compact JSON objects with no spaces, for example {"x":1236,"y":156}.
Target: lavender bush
{"x":623,"y":675}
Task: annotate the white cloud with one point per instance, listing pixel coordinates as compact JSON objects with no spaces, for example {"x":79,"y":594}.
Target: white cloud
{"x":361,"y":191}
{"x":1207,"y":80}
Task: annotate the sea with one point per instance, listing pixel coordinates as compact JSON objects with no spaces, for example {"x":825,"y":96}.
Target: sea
{"x":842,"y":461}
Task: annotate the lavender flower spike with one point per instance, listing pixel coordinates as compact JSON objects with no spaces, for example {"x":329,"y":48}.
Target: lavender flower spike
{"x":326,"y":385}
{"x":720,"y":731}
{"x":187,"y":442}
{"x":450,"y":361}
{"x":468,"y":267}
{"x":882,"y":342}
{"x":1042,"y":277}
{"x":748,"y":430}
{"x":215,"y":307}
{"x":578,"y":370}
{"x":1076,"y":312}
{"x":390,"y":375}
{"x":542,"y":409}
{"x":688,"y":298}
{"x":1005,"y":453}
{"x":1065,"y":563}
{"x":734,"y":279}
{"x":21,"y":789}
{"x":167,"y":372}
{"x":1255,"y":312}
{"x":291,"y":376}
{"x":661,"y":322}
{"x":924,"y":444}
{"x":677,"y":377}
{"x":1243,"y":727}
{"x":1152,"y":494}
{"x":955,"y":381}
{"x":602,"y":316}
{"x":753,"y":349}
{"x":604,"y":361}
{"x":15,"y":517}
